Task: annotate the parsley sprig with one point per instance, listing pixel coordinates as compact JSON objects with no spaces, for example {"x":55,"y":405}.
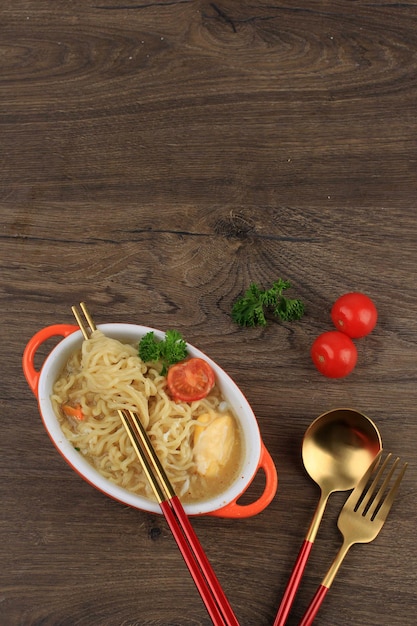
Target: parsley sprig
{"x":251,"y":308}
{"x":168,"y":351}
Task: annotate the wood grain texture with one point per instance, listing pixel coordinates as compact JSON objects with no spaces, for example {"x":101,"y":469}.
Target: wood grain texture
{"x":156,"y":158}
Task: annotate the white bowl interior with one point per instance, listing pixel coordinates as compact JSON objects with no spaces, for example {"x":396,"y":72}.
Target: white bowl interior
{"x":130,"y":333}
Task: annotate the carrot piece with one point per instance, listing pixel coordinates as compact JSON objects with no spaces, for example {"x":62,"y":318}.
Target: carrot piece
{"x":73,"y":411}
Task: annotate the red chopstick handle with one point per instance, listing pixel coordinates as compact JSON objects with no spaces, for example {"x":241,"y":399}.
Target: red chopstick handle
{"x":314,"y":606}
{"x":199,"y":580}
{"x":204,"y":563}
{"x":293,"y":583}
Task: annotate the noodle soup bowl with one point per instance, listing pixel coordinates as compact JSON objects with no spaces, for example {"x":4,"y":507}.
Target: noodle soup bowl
{"x":255,"y":455}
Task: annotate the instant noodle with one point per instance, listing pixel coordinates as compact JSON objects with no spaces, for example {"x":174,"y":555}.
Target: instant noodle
{"x":198,"y":443}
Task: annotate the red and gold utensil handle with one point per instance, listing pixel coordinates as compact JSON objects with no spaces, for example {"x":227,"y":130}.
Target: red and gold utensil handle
{"x":293,"y":583}
{"x":204,"y":563}
{"x":199,"y":580}
{"x":314,"y":606}
{"x":301,"y":562}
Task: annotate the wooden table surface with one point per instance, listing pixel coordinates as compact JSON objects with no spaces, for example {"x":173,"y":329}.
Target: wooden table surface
{"x":157,"y":158}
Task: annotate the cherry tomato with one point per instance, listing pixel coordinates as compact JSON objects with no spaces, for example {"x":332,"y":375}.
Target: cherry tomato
{"x":354,"y":314}
{"x":334,"y":354}
{"x":190,"y":380}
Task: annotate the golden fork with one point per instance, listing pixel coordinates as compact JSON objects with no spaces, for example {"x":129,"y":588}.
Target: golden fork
{"x":360,"y":520}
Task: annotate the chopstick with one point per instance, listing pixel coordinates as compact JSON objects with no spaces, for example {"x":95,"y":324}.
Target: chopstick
{"x":80,"y":320}
{"x":198,"y":564}
{"x":211,"y":592}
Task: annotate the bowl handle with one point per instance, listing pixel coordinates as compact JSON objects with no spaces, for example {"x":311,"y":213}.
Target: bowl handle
{"x":31,"y":374}
{"x":233,"y":509}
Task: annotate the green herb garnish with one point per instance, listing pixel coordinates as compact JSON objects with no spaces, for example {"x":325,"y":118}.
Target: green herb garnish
{"x":168,"y":351}
{"x":251,"y":308}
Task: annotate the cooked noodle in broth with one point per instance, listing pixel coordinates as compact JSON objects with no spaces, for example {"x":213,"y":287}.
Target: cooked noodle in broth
{"x":198,"y":443}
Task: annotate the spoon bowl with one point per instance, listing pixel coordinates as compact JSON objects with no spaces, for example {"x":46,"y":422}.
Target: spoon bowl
{"x":338,"y":448}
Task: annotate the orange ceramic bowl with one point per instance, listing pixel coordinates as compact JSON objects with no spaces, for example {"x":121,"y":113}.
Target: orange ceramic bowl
{"x":255,"y":456}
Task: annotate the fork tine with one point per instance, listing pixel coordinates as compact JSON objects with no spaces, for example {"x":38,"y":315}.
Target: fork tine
{"x":359,"y":493}
{"x":365,"y":494}
{"x":375,"y":503}
{"x":389,"y":499}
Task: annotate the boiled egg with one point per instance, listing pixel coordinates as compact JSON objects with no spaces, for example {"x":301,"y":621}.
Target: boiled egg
{"x":214,"y":436}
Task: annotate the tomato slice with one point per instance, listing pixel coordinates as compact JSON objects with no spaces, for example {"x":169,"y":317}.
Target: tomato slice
{"x":190,"y":380}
